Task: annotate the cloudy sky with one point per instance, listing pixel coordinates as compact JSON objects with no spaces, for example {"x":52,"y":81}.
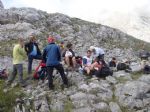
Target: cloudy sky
{"x":90,"y":10}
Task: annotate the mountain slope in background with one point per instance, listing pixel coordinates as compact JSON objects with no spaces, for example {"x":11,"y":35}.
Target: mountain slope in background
{"x":22,"y":22}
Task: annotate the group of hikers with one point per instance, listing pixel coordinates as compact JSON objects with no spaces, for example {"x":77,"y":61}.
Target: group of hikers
{"x":55,"y":56}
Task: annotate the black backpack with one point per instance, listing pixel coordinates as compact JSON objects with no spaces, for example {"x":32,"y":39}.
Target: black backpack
{"x":121,"y":66}
{"x":146,"y":69}
{"x":104,"y":72}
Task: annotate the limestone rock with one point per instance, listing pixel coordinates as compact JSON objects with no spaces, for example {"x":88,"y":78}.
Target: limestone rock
{"x":1,"y":5}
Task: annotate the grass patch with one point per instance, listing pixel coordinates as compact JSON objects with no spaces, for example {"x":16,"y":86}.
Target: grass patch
{"x":7,"y":99}
{"x":122,"y":79}
{"x":136,"y":75}
{"x":125,"y":109}
{"x":68,"y":106}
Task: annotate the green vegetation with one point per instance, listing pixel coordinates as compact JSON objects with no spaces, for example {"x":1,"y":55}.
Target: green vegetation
{"x":68,"y":106}
{"x":8,"y":98}
{"x":122,"y":79}
{"x":136,"y":75}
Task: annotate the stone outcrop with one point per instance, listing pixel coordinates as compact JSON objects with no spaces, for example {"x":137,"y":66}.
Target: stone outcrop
{"x":1,"y":5}
{"x":90,"y":95}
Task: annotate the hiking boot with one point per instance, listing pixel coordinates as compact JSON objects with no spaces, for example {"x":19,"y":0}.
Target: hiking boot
{"x":51,"y":87}
{"x":23,"y":84}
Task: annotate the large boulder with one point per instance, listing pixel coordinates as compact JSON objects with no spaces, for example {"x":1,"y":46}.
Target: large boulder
{"x":133,"y":94}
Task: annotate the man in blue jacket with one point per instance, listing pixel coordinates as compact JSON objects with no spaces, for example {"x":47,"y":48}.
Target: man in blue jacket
{"x":52,"y":57}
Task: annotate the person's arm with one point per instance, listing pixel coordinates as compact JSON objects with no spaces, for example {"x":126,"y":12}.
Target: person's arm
{"x":26,"y":48}
{"x":63,"y":54}
{"x":73,"y":54}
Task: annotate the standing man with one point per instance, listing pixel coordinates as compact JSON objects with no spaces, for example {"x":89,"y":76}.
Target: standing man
{"x":18,"y":58}
{"x":33,"y":52}
{"x":52,"y":56}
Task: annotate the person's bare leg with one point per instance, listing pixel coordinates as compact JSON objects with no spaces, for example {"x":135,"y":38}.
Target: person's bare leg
{"x":87,"y":69}
{"x":74,"y":62}
{"x":67,"y":61}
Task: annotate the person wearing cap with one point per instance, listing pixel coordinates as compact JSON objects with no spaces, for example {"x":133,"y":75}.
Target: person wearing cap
{"x":97,"y":52}
{"x":33,"y":52}
{"x":52,"y":57}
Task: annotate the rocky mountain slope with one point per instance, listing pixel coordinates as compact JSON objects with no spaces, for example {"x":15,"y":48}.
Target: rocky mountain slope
{"x":22,"y":22}
{"x":122,"y":92}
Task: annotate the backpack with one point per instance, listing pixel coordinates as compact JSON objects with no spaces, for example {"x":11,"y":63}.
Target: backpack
{"x":121,"y":66}
{"x":104,"y":72}
{"x":3,"y":74}
{"x":41,"y":71}
{"x":42,"y":74}
{"x":146,"y":69}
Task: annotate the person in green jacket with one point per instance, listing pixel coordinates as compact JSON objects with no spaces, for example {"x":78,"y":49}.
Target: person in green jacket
{"x":18,"y":58}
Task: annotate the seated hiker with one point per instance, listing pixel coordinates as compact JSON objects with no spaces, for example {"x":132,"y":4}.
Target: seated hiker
{"x":145,"y":67}
{"x":143,"y":55}
{"x":86,"y":62}
{"x":78,"y":61}
{"x":102,"y":69}
{"x":96,"y":65}
{"x":112,"y":64}
{"x":124,"y":65}
{"x":69,"y":56}
{"x":97,"y":52}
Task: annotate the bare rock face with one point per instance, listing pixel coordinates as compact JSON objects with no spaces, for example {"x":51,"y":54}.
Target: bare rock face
{"x":1,"y":5}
